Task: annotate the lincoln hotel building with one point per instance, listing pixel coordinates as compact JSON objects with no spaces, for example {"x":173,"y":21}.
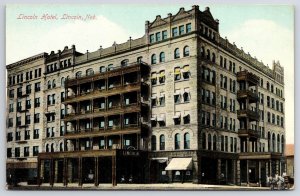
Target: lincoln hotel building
{"x":180,"y":104}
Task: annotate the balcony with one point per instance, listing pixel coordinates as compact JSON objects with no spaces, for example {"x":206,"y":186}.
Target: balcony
{"x":252,"y":115}
{"x":104,"y":92}
{"x":106,"y":131}
{"x":103,"y":112}
{"x":121,"y":70}
{"x":247,"y":76}
{"x":244,"y":94}
{"x":248,"y":133}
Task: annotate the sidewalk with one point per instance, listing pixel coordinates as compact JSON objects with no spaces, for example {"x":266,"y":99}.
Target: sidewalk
{"x":167,"y":187}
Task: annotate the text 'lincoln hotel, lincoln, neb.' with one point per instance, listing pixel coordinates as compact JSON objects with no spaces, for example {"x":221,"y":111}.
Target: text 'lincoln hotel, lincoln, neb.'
{"x":180,"y":104}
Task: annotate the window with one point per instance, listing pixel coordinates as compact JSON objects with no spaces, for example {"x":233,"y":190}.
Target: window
{"x":37,"y":87}
{"x":28,"y":89}
{"x":186,"y":51}
{"x":177,"y":73}
{"x":269,"y":117}
{"x":9,"y":152}
{"x":17,"y":152}
{"x":153,"y":100}
{"x":89,"y":72}
{"x":153,"y":78}
{"x":102,"y":69}
{"x":153,"y":59}
{"x":202,"y":52}
{"x":181,"y":30}
{"x":273,"y":103}
{"x":186,"y":141}
{"x":186,"y":119}
{"x":11,"y":107}
{"x":282,"y":124}
{"x":186,"y":96}
{"x":177,"y":97}
{"x":162,"y":142}
{"x":110,"y":67}
{"x":186,"y":72}
{"x":268,"y":86}
{"x":62,"y":96}
{"x":27,"y":119}
{"x":162,"y":57}
{"x":177,"y":141}
{"x":273,"y":118}
{"x":26,"y":151}
{"x":208,"y":55}
{"x":9,"y":137}
{"x":36,"y":134}
{"x":19,"y":92}
{"x":139,"y":59}
{"x":28,"y":104}
{"x":153,"y":142}
{"x":11,"y":93}
{"x":174,"y":31}
{"x":124,"y":63}
{"x":157,"y":36}
{"x":176,"y":53}
{"x":18,"y":135}
{"x":36,"y":118}
{"x":49,"y":84}
{"x":268,"y":101}
{"x":162,"y":77}
{"x":162,"y":99}
{"x":35,"y":150}
{"x":203,"y":140}
{"x":152,"y":39}
{"x":53,"y":84}
{"x":37,"y":102}
{"x":188,"y":28}
{"x":164,"y":35}
{"x":62,"y":130}
{"x":78,"y":74}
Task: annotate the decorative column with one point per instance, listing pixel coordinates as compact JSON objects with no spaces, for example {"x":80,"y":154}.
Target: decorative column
{"x":96,"y":171}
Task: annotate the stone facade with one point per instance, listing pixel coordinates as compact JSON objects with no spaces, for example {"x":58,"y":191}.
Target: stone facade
{"x":194,"y":100}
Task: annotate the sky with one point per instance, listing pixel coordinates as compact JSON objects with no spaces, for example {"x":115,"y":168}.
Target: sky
{"x":266,"y":32}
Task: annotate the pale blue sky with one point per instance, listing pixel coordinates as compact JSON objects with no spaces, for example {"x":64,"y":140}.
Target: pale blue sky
{"x":229,"y":15}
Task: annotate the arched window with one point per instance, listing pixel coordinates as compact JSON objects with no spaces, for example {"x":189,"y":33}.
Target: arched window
{"x":89,"y":72}
{"x":162,"y":142}
{"x":62,"y":81}
{"x":47,"y":148}
{"x":78,"y":74}
{"x":213,"y":58}
{"x":52,"y":147}
{"x":203,"y":141}
{"x":176,"y":53}
{"x":124,"y":63}
{"x":139,"y":59}
{"x":268,"y":86}
{"x":162,"y":57}
{"x":186,"y":51}
{"x":186,"y":141}
{"x":202,"y":52}
{"x":49,"y":84}
{"x":53,"y":84}
{"x":102,"y":69}
{"x":273,"y":142}
{"x":110,"y":67}
{"x":221,"y":61}
{"x":209,"y":142}
{"x":208,"y":54}
{"x":61,"y":147}
{"x":153,"y":59}
{"x":153,"y":142}
{"x":177,"y":141}
{"x":215,"y":142}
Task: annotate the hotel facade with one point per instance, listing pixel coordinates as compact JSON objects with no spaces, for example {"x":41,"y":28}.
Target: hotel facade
{"x":180,"y":104}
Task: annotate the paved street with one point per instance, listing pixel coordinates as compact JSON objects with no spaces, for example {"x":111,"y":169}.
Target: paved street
{"x":172,"y":186}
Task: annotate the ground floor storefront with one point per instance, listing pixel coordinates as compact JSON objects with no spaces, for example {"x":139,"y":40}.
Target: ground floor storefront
{"x":218,"y":168}
{"x":95,"y":166}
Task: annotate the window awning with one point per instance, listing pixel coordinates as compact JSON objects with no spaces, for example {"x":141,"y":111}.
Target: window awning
{"x":186,"y":115}
{"x":161,"y":118}
{"x":176,"y":116}
{"x":153,"y":97}
{"x":162,"y":74}
{"x":186,"y":69}
{"x":153,"y":119}
{"x":153,"y":76}
{"x":180,"y":164}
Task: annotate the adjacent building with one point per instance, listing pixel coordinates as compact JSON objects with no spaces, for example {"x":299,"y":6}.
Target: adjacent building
{"x":180,"y":103}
